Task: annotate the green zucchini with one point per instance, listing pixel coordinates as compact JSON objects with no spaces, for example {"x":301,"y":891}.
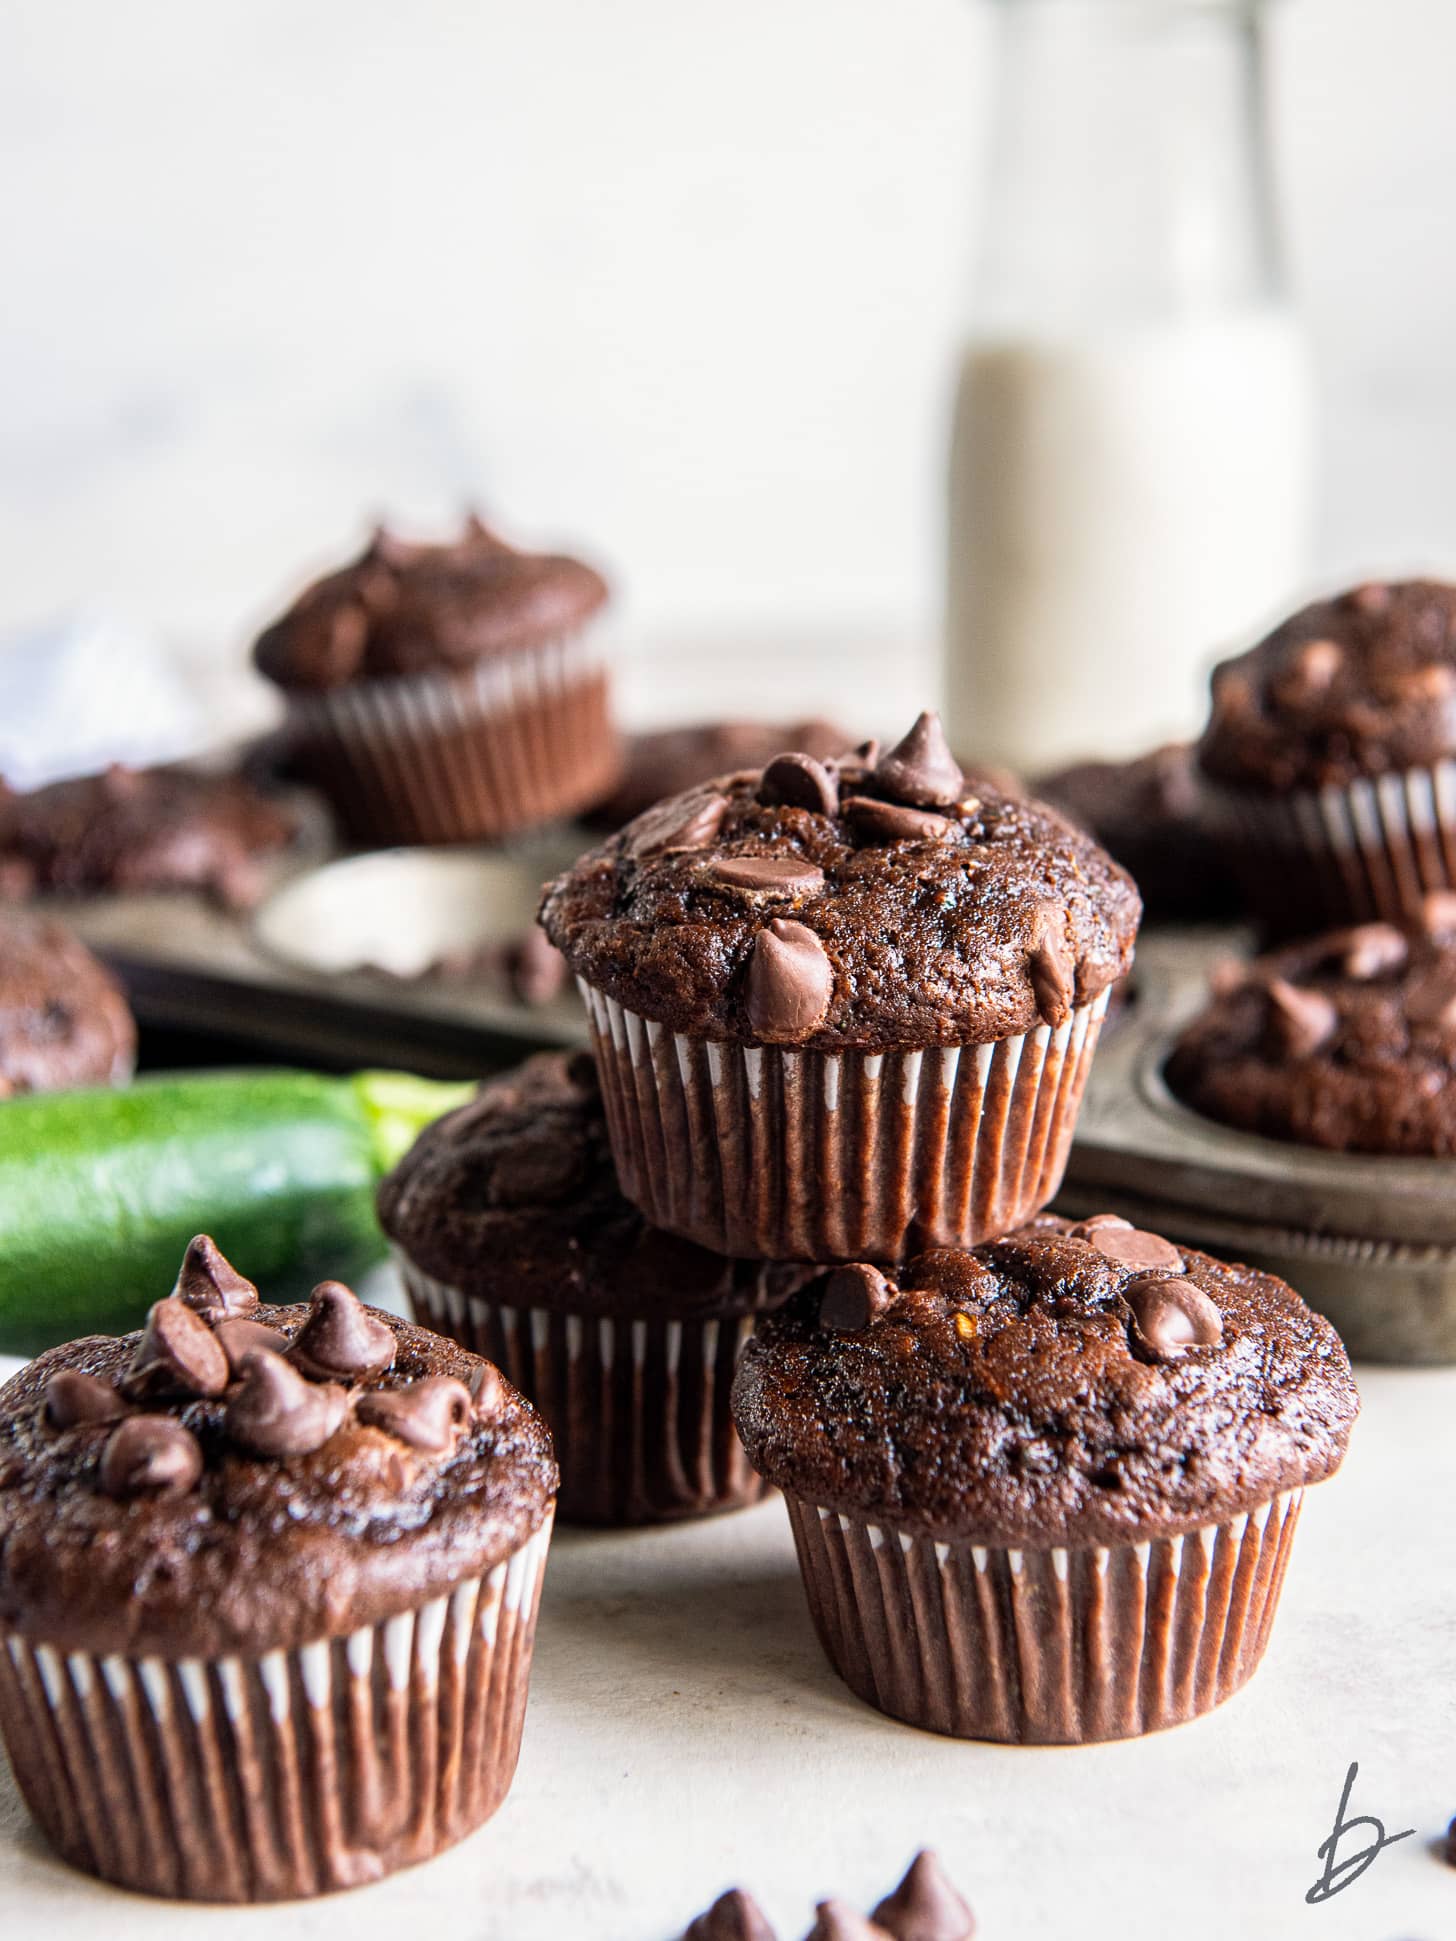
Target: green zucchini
{"x":100,"y":1191}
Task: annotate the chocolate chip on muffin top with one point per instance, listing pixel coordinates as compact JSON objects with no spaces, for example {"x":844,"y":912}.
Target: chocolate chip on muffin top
{"x":406,"y":608}
{"x":1068,"y":1384}
{"x":874,"y":901}
{"x":1345,"y":1041}
{"x":515,"y":1196}
{"x":1361,"y":685}
{"x":196,"y":1489}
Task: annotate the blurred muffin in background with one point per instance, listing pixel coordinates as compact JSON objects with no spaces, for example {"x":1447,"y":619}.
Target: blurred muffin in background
{"x":63,"y":1019}
{"x":131,"y":830}
{"x":447,"y":693}
{"x":1150,"y":816}
{"x":1331,"y":748}
{"x":669,"y":761}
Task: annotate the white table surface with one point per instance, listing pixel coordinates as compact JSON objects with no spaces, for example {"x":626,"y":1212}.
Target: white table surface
{"x":684,"y":1734}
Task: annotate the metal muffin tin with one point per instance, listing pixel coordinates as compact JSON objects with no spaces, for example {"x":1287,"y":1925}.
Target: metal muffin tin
{"x":1370,"y":1242}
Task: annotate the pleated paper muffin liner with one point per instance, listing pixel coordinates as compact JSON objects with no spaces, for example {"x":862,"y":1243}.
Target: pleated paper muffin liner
{"x":236,"y":1779}
{"x":476,"y":754}
{"x":802,"y":1155}
{"x":1044,"y":1647}
{"x":1368,"y":849}
{"x":638,"y":1409}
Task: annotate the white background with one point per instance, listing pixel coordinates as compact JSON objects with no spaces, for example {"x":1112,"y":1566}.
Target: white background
{"x":677,"y":280}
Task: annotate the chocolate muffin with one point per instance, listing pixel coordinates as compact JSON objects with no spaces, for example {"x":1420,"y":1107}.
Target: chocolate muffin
{"x":63,"y":1018}
{"x":131,"y":830}
{"x":442,"y":693}
{"x":842,"y":1010}
{"x":268,"y":1585}
{"x":1333,"y":745}
{"x":1346,"y":1040}
{"x":1045,"y":1490}
{"x":1149,"y":816}
{"x":669,"y":761}
{"x":513,"y":1236}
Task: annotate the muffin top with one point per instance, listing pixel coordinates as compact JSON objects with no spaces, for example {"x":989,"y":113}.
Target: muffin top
{"x":871,"y":902}
{"x":1148,"y":815}
{"x":132,"y":830}
{"x":1346,"y":1041}
{"x":1068,"y":1384}
{"x":63,"y":1019}
{"x":1361,"y":685}
{"x":242,"y":1478}
{"x":669,"y":761}
{"x":514,"y":1198}
{"x":403,"y":608}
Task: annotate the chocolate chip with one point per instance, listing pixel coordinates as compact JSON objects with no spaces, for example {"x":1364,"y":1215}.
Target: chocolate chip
{"x":177,"y":1355}
{"x":768,"y":875}
{"x":677,"y":825}
{"x":1299,"y":1021}
{"x":1051,"y":970}
{"x":1135,"y":1247}
{"x":341,"y":1338}
{"x":925,"y":1906}
{"x":1438,"y":913}
{"x":1227,"y":975}
{"x":1412,"y":686}
{"x":893,"y":822}
{"x":799,"y":782}
{"x":239,"y":1338}
{"x":487,"y":1391}
{"x":73,"y":1400}
{"x":150,"y":1455}
{"x":734,"y":1916}
{"x":1369,"y":950}
{"x":1172,"y":1315}
{"x":430,"y":1416}
{"x":1371,"y":598}
{"x":921,"y":770}
{"x":1430,"y":998}
{"x":790,"y":983}
{"x":839,"y":1922}
{"x":273,"y":1411}
{"x":210,"y":1285}
{"x":1099,"y":1223}
{"x":536,"y":968}
{"x":853,"y":1298}
{"x":1311,"y":669}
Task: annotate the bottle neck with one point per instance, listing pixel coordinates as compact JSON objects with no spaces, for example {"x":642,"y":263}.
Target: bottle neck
{"x":1131,"y":178}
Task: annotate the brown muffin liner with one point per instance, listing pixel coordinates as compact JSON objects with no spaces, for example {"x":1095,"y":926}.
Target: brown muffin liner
{"x":435,"y":758}
{"x":1044,"y":1647}
{"x":296,"y":1773}
{"x":638,"y":1409}
{"x":801,"y":1155}
{"x":1370,"y":849}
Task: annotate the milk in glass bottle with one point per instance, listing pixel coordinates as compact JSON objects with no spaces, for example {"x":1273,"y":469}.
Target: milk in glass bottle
{"x":1131,"y":453}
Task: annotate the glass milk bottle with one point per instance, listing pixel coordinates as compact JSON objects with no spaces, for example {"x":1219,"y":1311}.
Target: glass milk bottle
{"x":1131,"y":460}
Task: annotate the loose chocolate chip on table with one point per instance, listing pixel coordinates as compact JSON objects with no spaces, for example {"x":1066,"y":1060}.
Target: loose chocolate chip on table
{"x":853,"y":1297}
{"x":925,"y":1906}
{"x":274,"y":1411}
{"x":1135,"y":1247}
{"x":920,"y":769}
{"x":799,"y":782}
{"x":73,"y":1399}
{"x":211,"y":1285}
{"x":178,"y":1355}
{"x":341,"y":1338}
{"x":1172,"y":1315}
{"x":430,"y":1416}
{"x":839,"y":1922}
{"x":734,"y":1916}
{"x":768,"y":875}
{"x":150,"y":1455}
{"x":241,"y":1337}
{"x":893,"y":822}
{"x":1299,"y":1021}
{"x":790,"y":982}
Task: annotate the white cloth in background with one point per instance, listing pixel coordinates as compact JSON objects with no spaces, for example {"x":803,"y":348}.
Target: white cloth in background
{"x":81,"y":693}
